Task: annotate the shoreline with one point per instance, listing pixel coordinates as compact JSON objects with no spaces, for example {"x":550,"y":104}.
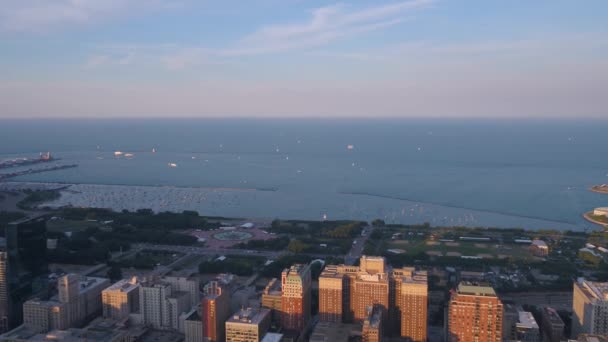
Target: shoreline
{"x":65,"y":185}
{"x":599,"y":189}
{"x":588,"y":218}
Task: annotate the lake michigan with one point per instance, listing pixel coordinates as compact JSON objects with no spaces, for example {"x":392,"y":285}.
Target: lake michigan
{"x":521,"y":173}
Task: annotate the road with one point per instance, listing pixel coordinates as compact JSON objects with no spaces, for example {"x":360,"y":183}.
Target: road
{"x":357,"y":249}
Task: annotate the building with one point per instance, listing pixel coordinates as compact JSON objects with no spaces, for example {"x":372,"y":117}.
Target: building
{"x":215,"y":310}
{"x":510,"y":318}
{"x":191,"y":285}
{"x":601,"y":211}
{"x":295,"y":302}
{"x":89,"y":298}
{"x":552,"y":325}
{"x":272,"y":337}
{"x":193,"y":327}
{"x":539,"y":248}
{"x":68,"y":288}
{"x":474,"y":314}
{"x":120,"y":299}
{"x":411,"y":303}
{"x":5,"y":304}
{"x":272,"y":299}
{"x":153,"y":297}
{"x":334,"y":332}
{"x":44,"y":316}
{"x":345,"y":293}
{"x":372,"y":325}
{"x":248,"y":325}
{"x":24,"y":260}
{"x":160,"y":307}
{"x":526,"y":328}
{"x":590,"y":308}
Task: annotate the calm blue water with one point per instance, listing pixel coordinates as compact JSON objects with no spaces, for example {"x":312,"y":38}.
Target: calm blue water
{"x":502,"y":173}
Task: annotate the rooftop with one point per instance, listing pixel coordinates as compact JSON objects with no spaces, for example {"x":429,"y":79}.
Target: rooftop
{"x":526,"y":320}
{"x":125,"y":285}
{"x":272,"y":337}
{"x":87,"y":283}
{"x":466,"y":288}
{"x":593,"y":289}
{"x":249,"y":316}
{"x":539,"y":243}
{"x":334,"y":332}
{"x":553,"y":316}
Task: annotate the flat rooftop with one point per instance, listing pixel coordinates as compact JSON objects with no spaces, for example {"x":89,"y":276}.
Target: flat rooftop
{"x":334,"y":332}
{"x":594,"y":289}
{"x":526,"y":320}
{"x":467,"y":288}
{"x":249,"y":316}
{"x":125,"y":285}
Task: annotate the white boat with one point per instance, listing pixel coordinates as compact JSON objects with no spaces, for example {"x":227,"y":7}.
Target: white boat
{"x":153,"y":150}
{"x":129,"y":155}
{"x":172,"y":165}
{"x":118,"y":153}
{"x":350,"y":147}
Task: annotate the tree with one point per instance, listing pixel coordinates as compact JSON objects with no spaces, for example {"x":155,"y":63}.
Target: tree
{"x":296,"y":246}
{"x":378,"y":223}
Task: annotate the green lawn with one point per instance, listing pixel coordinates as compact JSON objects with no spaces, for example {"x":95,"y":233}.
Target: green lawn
{"x":465,"y":248}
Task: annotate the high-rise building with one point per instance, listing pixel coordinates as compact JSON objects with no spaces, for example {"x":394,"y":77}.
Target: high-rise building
{"x":552,"y":325}
{"x":121,"y":299}
{"x":5,"y":305}
{"x":68,"y":287}
{"x":331,"y":293}
{"x":44,"y":316}
{"x":82,"y":297}
{"x":295,"y":302}
{"x":215,"y":310}
{"x":345,"y":293}
{"x":412,"y":303}
{"x":590,"y":308}
{"x":475,"y":314}
{"x":190,"y":285}
{"x":527,"y":328}
{"x":25,"y":259}
{"x":248,"y":325}
{"x":193,"y":327}
{"x":272,"y":299}
{"x":372,"y":325}
{"x":153,"y":303}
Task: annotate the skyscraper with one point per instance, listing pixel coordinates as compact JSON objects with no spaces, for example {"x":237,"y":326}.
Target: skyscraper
{"x":475,"y":314}
{"x":295,"y":302}
{"x":68,"y":287}
{"x":346,"y":293}
{"x":215,"y":310}
{"x":121,"y":299}
{"x":5,"y":305}
{"x":25,"y":258}
{"x":590,"y":308}
{"x":412,"y":303}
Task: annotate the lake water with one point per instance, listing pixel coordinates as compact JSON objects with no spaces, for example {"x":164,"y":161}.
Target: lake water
{"x":529,"y":174}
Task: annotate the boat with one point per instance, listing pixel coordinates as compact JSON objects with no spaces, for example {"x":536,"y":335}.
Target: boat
{"x":350,"y":147}
{"x":129,"y":155}
{"x":118,"y":153}
{"x":153,"y":150}
{"x":172,"y":165}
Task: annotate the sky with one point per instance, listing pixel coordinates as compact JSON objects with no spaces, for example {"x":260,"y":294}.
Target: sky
{"x":304,"y":58}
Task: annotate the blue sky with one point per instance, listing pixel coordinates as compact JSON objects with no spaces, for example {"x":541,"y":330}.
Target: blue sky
{"x":299,"y":58}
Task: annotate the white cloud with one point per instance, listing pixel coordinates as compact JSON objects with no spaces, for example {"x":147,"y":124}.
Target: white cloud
{"x":41,"y":15}
{"x":326,"y":25}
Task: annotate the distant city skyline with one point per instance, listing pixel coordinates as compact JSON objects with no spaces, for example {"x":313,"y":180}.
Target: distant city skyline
{"x":310,"y":59}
